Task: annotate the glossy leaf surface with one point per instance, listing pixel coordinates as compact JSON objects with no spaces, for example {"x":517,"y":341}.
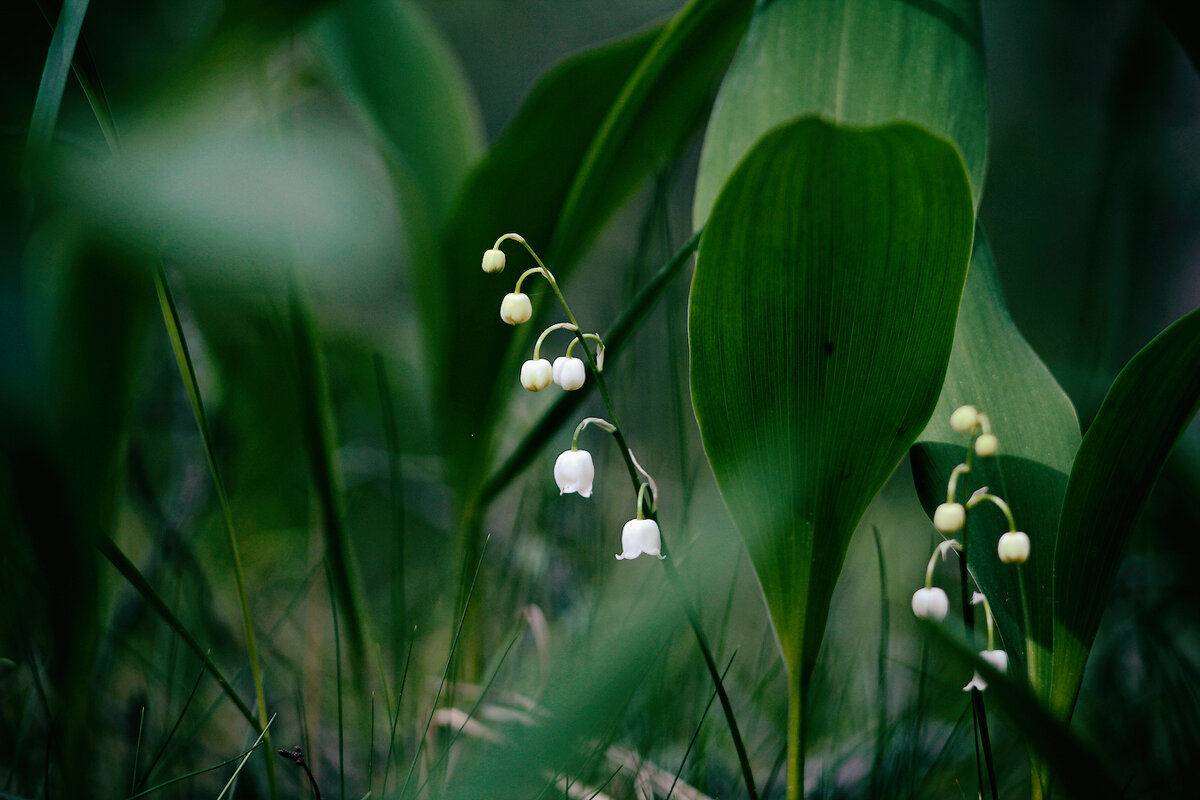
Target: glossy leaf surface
{"x":1148,"y":407}
{"x":862,"y":62}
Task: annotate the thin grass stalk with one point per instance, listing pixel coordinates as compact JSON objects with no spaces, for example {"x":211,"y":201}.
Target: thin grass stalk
{"x":171,"y":735}
{"x":187,"y":371}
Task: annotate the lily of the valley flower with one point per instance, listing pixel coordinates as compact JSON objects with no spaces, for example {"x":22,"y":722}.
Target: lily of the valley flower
{"x":949,"y":517}
{"x":930,"y":603}
{"x":569,"y":373}
{"x":987,"y":445}
{"x":574,"y":472}
{"x":998,"y":659}
{"x":1013,"y":547}
{"x":640,"y":536}
{"x":536,"y":374}
{"x":515,"y":308}
{"x":964,"y":419}
{"x":493,"y":260}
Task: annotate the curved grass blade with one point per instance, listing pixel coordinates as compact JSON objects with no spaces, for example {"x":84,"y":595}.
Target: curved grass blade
{"x":821,"y":320}
{"x":110,"y":550}
{"x":859,"y":62}
{"x":995,"y":369}
{"x":54,"y":78}
{"x":1145,"y":412}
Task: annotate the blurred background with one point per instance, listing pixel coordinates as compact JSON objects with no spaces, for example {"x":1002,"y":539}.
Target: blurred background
{"x":294,"y":172}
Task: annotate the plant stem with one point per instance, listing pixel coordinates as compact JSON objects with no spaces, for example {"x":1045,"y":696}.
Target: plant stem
{"x":668,"y":565}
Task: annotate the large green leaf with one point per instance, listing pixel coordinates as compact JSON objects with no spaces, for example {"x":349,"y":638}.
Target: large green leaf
{"x":1147,"y":408}
{"x":656,"y":113}
{"x":409,"y":84}
{"x":862,"y":62}
{"x":821,"y":321}
{"x":994,"y":368}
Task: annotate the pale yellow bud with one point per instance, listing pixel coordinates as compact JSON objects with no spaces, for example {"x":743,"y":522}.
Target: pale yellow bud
{"x":1013,"y":548}
{"x":949,"y":517}
{"x":493,"y":261}
{"x":516,"y":308}
{"x":964,"y":419}
{"x":986,"y":446}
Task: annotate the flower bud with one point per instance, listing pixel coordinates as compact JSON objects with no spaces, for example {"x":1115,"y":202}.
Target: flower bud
{"x":640,"y":536}
{"x":569,"y":373}
{"x":986,"y":446}
{"x":536,"y":375}
{"x":574,"y":472}
{"x":493,"y":260}
{"x":964,"y":419}
{"x":930,"y":603}
{"x":949,"y":517}
{"x":516,"y":308}
{"x":1013,"y":548}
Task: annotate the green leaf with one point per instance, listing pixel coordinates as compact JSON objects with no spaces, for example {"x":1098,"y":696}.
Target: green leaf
{"x":54,"y":76}
{"x":993,"y":368}
{"x":664,"y":101}
{"x":1146,"y":410}
{"x":409,"y":84}
{"x":821,"y":321}
{"x":862,"y":62}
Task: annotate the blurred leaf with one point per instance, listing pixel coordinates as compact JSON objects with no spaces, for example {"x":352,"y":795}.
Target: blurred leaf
{"x":54,"y":76}
{"x":1146,"y":410}
{"x":994,"y":368}
{"x":408,"y":82}
{"x":537,"y":156}
{"x":862,"y":62}
{"x":654,"y":116}
{"x":1074,"y":766}
{"x":821,"y":320}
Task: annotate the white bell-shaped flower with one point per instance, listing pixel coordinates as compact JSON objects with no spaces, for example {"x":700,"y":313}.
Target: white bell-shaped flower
{"x":516,"y":308}
{"x":493,"y":260}
{"x":640,"y":536}
{"x":536,"y":375}
{"x":1013,"y":547}
{"x":964,"y":419}
{"x":569,"y":373}
{"x":949,"y":517}
{"x":574,"y":472}
{"x":998,"y":659}
{"x":987,"y":445}
{"x":931,"y":603}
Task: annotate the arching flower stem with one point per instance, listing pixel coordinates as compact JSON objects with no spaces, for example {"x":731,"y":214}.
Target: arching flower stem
{"x":979,"y":497}
{"x":537,"y":346}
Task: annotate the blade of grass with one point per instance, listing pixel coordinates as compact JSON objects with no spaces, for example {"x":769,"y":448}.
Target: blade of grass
{"x":54,"y":78}
{"x":319,"y":441}
{"x":337,"y":660}
{"x":84,"y":67}
{"x":396,"y":488}
{"x":137,"y":751}
{"x":387,"y":766}
{"x":445,"y":672}
{"x":174,"y":728}
{"x":172,"y":781}
{"x":696,"y":734}
{"x":238,"y":771}
{"x":110,"y":550}
{"x":187,"y":371}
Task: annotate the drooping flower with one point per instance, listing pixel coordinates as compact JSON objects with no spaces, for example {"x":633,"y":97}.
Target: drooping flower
{"x":493,"y":260}
{"x":640,"y":536}
{"x":930,"y":603}
{"x":536,"y":374}
{"x":949,"y":517}
{"x":515,"y":308}
{"x":964,"y":419}
{"x":987,"y":445}
{"x":998,"y":659}
{"x":569,"y":373}
{"x":1013,"y":547}
{"x":574,"y":472}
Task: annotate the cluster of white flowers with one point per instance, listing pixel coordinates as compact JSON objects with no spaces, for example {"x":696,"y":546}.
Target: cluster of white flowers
{"x":574,"y":470}
{"x":949,"y":518}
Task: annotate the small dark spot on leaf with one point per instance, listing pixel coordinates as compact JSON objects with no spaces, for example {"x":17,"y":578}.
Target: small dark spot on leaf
{"x":828,"y":347}
{"x":901,"y":431}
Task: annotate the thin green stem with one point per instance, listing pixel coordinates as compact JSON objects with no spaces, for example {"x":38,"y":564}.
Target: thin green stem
{"x":672,"y":576}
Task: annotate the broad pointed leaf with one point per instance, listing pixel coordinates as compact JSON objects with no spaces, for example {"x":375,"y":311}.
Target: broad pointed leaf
{"x":1146,"y":410}
{"x":862,"y":62}
{"x":994,"y":368}
{"x":821,"y":321}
